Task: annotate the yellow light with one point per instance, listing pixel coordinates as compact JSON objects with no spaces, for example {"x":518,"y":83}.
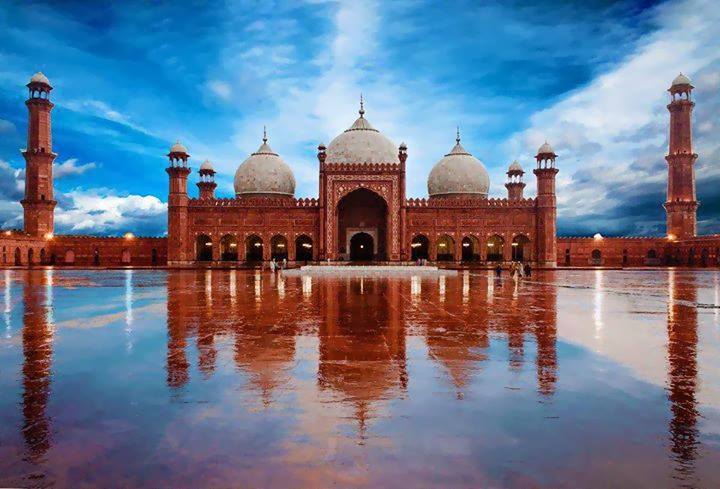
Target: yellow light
{"x":280,"y":245}
{"x":49,"y":236}
{"x":362,"y":246}
{"x":208,"y":243}
{"x":515,"y":244}
{"x":466,"y":245}
{"x":490,"y":245}
{"x":233,"y":245}
{"x":415,"y":245}
{"x":307,"y":245}
{"x":441,"y":245}
{"x":670,"y":237}
{"x":129,"y":235}
{"x":258,"y":245}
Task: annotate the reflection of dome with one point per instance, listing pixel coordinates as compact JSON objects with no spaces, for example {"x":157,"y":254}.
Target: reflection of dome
{"x":458,"y":172}
{"x":362,"y":143}
{"x":681,"y":80}
{"x":178,"y":148}
{"x":264,"y":172}
{"x":39,"y":78}
{"x":545,"y":149}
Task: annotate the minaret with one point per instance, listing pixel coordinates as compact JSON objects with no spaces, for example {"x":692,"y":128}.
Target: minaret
{"x":682,"y":204}
{"x":178,"y":204}
{"x":38,"y":204}
{"x":546,"y":207}
{"x":515,"y":184}
{"x":207,"y":183}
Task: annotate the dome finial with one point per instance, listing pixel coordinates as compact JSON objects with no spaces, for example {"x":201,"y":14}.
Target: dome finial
{"x":362,"y":105}
{"x":457,"y":135}
{"x":264,"y":134}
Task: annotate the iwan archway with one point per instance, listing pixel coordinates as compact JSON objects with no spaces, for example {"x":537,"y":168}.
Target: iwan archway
{"x":362,"y":226}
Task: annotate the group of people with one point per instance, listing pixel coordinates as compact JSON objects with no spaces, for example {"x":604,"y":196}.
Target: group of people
{"x":281,"y":265}
{"x":517,"y":270}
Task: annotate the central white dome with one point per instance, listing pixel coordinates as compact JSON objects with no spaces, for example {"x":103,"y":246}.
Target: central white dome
{"x":362,"y":143}
{"x":264,"y":173}
{"x":458,"y":173}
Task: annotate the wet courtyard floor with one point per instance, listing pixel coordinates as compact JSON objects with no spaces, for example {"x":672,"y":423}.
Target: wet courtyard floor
{"x":247,"y":379}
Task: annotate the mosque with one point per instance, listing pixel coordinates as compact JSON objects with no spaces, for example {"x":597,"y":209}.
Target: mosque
{"x":362,"y":213}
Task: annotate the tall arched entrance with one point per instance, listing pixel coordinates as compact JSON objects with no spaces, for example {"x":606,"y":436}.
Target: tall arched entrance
{"x":362,"y":221}
{"x":361,"y":247}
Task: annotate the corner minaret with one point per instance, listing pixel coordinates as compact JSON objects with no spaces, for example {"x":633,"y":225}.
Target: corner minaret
{"x":515,"y":184}
{"x":207,"y":183}
{"x":681,"y":206}
{"x":178,"y":204}
{"x":546,"y":204}
{"x":38,"y":204}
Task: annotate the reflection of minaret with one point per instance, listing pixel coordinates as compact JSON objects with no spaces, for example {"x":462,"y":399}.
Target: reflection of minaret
{"x":545,"y":315}
{"x":37,"y":350}
{"x":682,"y":359}
{"x":177,"y":316}
{"x":362,"y":342}
{"x":207,"y":352}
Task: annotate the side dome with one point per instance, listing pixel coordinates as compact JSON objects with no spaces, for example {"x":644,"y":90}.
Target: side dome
{"x":264,"y":173}
{"x":515,"y":167}
{"x":362,"y":143}
{"x":545,"y":149}
{"x":178,"y":148}
{"x":681,"y":80}
{"x":458,"y":173}
{"x":40,"y":78}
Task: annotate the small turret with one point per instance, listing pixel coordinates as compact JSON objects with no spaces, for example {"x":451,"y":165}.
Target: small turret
{"x":207,"y":183}
{"x":515,"y":184}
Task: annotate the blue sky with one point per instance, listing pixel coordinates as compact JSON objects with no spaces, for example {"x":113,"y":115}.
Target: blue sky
{"x":132,"y":77}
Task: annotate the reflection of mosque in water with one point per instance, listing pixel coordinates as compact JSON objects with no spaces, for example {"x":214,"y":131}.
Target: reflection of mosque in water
{"x":37,"y":339}
{"x":362,"y":328}
{"x":682,"y":323}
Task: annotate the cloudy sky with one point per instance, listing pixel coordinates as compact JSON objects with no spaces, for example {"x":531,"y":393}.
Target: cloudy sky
{"x":590,"y":78}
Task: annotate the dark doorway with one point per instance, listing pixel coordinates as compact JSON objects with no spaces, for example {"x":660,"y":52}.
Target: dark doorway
{"x":253,"y":248}
{"x":303,"y":248}
{"x":361,"y":247}
{"x":362,"y":210}
{"x":420,"y":248}
{"x":203,"y":248}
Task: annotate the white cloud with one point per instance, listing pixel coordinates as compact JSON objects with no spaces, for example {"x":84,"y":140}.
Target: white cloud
{"x":614,"y":130}
{"x":70,"y":167}
{"x":220,"y":88}
{"x":100,"y":109}
{"x":103,"y":211}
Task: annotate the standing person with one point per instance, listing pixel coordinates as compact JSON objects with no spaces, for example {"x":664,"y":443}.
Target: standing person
{"x":528,"y":269}
{"x":284,"y":264}
{"x":498,"y":270}
{"x":514,"y":271}
{"x":272,"y":265}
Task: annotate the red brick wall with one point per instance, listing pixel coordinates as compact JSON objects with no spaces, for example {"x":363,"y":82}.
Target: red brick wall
{"x":111,"y":252}
{"x":634,"y":252}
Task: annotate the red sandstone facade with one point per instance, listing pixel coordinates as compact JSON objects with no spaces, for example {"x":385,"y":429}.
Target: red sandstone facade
{"x":362,"y":214}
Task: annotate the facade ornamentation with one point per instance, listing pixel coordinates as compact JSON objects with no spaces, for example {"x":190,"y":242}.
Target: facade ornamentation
{"x":361,"y":212}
